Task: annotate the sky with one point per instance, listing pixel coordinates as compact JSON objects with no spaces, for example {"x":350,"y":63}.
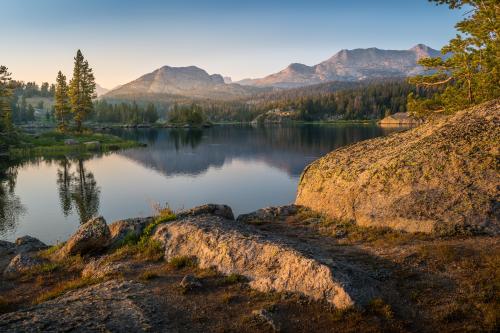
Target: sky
{"x":124,"y":39}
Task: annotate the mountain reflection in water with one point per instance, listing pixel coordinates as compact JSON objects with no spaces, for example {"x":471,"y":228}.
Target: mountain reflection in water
{"x":243,"y":166}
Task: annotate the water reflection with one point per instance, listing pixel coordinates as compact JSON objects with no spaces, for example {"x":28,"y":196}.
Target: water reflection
{"x":77,"y":190}
{"x":288,"y":148}
{"x":11,"y":208}
{"x":243,"y":166}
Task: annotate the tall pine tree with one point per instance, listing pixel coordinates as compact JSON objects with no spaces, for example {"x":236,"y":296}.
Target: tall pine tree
{"x":81,"y":90}
{"x":5,"y":105}
{"x":62,"y":107}
{"x":470,"y":72}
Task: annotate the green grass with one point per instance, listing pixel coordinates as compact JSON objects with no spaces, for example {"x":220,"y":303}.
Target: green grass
{"x":52,"y":144}
{"x":64,"y":287}
{"x":142,"y":246}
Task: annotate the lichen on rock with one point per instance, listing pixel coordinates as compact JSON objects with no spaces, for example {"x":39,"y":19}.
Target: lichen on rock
{"x":442,"y":177}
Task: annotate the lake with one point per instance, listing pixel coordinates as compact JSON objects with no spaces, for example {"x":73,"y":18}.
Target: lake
{"x":244,"y":167}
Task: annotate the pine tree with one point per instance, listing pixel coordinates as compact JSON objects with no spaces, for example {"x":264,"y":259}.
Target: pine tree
{"x":469,"y":72}
{"x":5,"y":105}
{"x":81,"y":90}
{"x":62,"y":107}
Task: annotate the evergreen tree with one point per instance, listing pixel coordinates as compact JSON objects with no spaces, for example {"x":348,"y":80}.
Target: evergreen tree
{"x":81,"y":90}
{"x":5,"y":105}
{"x":62,"y":107}
{"x":469,"y":72}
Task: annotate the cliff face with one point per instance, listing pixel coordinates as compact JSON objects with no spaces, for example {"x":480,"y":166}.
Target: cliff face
{"x":442,"y":176}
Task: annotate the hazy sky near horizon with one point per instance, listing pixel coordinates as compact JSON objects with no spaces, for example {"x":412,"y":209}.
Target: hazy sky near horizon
{"x":124,"y":39}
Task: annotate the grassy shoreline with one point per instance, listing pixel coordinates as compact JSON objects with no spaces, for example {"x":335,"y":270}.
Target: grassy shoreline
{"x":55,"y":144}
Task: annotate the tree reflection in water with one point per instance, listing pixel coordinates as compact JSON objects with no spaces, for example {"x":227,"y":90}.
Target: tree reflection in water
{"x":11,"y":208}
{"x":78,"y":189}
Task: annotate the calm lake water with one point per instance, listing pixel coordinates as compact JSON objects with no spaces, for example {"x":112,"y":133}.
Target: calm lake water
{"x":243,"y":166}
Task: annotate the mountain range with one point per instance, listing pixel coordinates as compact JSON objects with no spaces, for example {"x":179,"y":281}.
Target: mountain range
{"x":350,"y":65}
{"x":345,"y":66}
{"x":181,"y":81}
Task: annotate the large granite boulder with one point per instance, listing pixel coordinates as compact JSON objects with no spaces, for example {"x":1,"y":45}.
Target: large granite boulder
{"x":269,"y":262}
{"x":442,"y":176}
{"x":91,"y":237}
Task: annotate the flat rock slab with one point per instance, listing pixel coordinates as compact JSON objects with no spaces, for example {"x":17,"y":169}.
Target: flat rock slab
{"x":111,"y":306}
{"x":271,"y":263}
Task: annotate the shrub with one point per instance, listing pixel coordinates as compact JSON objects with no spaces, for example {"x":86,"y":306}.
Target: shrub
{"x":234,"y":278}
{"x":182,"y":262}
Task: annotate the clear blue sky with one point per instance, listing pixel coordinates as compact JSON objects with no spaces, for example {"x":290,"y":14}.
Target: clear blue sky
{"x":123,"y":39}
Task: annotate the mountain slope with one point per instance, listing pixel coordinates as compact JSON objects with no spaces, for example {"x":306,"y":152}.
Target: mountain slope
{"x":180,"y":81}
{"x":100,"y":90}
{"x":350,"y":65}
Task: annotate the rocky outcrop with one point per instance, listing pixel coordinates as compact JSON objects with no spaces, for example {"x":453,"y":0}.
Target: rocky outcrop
{"x":21,"y":263}
{"x":29,"y":244}
{"x":103,"y":267}
{"x":107,"y":307}
{"x":442,"y":176}
{"x":399,"y":118}
{"x":268,"y":214}
{"x":121,"y":229}
{"x":270,"y":263}
{"x":92,"y":236}
{"x":212,"y":209}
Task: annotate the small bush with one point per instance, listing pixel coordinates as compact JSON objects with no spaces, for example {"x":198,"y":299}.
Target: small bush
{"x":148,"y":275}
{"x":378,"y":307}
{"x":182,"y":262}
{"x":234,"y":278}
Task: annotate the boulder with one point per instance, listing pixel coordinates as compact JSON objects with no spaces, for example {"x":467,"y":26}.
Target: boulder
{"x":268,"y":214}
{"x":111,"y":306}
{"x":102,"y":267}
{"x":440,"y":177}
{"x":91,"y":237}
{"x":29,"y":244}
{"x":21,"y":263}
{"x":269,"y":262}
{"x":213,"y":209}
{"x":127,"y":228}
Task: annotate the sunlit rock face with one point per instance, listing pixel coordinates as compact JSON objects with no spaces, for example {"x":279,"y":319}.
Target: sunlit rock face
{"x":439,"y":177}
